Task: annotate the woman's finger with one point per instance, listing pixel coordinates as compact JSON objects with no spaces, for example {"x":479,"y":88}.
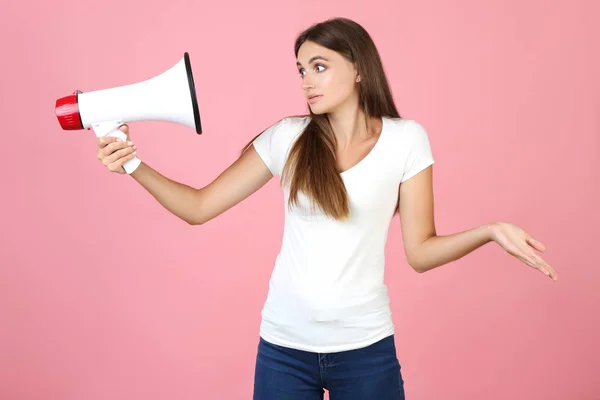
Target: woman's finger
{"x":119,"y":154}
{"x":536,"y":244}
{"x":117,"y":166}
{"x":547,"y":267}
{"x":112,"y":148}
{"x":105,"y":140}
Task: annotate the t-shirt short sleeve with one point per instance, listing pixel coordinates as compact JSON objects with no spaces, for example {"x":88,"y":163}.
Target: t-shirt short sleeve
{"x":268,"y":145}
{"x":419,"y":154}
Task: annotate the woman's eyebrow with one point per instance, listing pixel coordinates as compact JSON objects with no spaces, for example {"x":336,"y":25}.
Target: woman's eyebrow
{"x":312,"y":59}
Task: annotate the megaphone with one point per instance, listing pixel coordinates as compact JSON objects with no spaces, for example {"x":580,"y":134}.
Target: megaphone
{"x":170,"y":96}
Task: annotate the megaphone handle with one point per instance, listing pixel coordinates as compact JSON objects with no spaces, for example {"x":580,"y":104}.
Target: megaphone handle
{"x":112,"y":129}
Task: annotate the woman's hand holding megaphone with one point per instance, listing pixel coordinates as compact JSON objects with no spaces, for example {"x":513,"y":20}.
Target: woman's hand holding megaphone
{"x":114,"y":152}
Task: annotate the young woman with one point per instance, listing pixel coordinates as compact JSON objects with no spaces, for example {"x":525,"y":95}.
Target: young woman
{"x":346,"y":169}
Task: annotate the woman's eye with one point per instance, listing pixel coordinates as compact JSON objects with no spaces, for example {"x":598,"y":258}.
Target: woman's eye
{"x":302,"y":72}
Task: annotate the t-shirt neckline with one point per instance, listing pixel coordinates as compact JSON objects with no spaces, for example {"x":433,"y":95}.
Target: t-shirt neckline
{"x":370,"y":153}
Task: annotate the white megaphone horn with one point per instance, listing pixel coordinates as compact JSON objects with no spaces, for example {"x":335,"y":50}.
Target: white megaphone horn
{"x":170,"y":96}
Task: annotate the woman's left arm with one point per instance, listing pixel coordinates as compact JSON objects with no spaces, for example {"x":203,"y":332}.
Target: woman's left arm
{"x":425,"y":250}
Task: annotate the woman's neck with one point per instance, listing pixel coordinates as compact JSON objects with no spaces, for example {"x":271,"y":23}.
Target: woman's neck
{"x":351,"y":125}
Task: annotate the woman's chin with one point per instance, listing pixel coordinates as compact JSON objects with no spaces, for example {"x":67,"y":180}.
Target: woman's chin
{"x":317,"y":109}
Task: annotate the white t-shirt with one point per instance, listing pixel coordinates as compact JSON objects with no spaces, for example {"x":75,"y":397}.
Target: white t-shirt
{"x":327,"y":291}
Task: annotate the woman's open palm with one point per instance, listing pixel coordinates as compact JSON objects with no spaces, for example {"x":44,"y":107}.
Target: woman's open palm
{"x":522,"y":245}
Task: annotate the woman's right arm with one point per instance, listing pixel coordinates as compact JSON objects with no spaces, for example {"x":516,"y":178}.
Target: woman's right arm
{"x":195,"y":206}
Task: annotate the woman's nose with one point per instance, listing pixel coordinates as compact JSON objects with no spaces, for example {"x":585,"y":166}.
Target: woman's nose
{"x":307,"y":83}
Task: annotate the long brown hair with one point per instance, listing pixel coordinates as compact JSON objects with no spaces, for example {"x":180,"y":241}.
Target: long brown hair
{"x":311,"y":165}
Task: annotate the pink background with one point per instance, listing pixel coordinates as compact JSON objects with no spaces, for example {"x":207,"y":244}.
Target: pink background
{"x":106,"y":295}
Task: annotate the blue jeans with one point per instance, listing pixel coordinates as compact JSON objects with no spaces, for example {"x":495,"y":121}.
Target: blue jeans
{"x":372,"y":372}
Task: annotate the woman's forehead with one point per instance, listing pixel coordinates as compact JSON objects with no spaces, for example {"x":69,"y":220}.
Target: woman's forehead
{"x":310,"y":51}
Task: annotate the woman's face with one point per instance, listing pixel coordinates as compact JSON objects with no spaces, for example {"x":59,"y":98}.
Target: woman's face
{"x":328,"y":79}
